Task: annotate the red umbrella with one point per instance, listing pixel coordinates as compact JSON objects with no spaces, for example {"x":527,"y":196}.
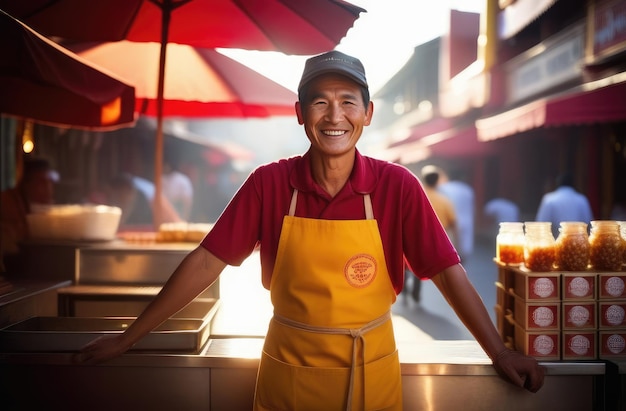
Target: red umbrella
{"x":290,"y":26}
{"x":42,"y":81}
{"x":198,"y":82}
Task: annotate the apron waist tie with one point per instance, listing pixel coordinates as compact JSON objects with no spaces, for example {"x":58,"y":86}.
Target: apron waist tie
{"x":355,"y":333}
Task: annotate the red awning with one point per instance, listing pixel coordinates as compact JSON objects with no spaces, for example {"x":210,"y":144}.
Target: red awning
{"x":591,"y":103}
{"x":457,"y":141}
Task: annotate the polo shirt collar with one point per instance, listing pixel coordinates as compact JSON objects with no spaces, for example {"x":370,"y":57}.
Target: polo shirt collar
{"x":363,"y":179}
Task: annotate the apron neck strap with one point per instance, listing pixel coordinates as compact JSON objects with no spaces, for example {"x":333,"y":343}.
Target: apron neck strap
{"x":367,"y":202}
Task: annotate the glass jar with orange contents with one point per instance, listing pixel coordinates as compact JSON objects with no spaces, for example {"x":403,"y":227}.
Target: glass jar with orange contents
{"x":572,"y":246}
{"x":539,"y":246}
{"x":510,"y":243}
{"x":606,"y":247}
{"x":622,"y":232}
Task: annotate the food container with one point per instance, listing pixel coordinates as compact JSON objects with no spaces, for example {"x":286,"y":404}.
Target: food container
{"x":572,"y":247}
{"x":539,"y":246}
{"x":605,"y":246}
{"x":579,"y":286}
{"x":579,"y":315}
{"x":510,"y":243}
{"x":74,"y":222}
{"x":622,"y":234}
{"x":579,"y":345}
{"x":70,"y":334}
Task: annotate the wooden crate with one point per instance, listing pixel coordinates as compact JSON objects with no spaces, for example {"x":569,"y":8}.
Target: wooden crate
{"x":578,"y":315}
{"x":540,"y":344}
{"x":579,"y":345}
{"x":611,"y":286}
{"x":537,"y":286}
{"x":531,"y":315}
{"x":611,"y":314}
{"x":579,"y":286}
{"x":612,"y":344}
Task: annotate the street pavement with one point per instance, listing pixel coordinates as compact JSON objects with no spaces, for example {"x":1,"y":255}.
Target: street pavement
{"x":433,"y":315}
{"x":246,"y":307}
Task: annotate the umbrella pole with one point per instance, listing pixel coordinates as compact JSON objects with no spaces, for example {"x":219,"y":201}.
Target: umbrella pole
{"x":158,"y":153}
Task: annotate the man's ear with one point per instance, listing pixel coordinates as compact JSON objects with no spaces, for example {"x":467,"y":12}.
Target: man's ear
{"x":298,"y":107}
{"x":369,"y":113}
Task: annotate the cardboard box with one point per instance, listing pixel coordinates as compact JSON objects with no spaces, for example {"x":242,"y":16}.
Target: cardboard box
{"x":537,"y":286}
{"x":611,"y":286}
{"x":579,"y":286}
{"x":540,"y":344}
{"x":612,"y":313}
{"x":612,"y":344}
{"x":579,"y":345}
{"x":579,"y":315}
{"x":532,"y":314}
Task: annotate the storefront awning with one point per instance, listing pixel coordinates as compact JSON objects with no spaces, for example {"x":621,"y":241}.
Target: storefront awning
{"x":460,"y":141}
{"x":520,"y":14}
{"x":591,"y":103}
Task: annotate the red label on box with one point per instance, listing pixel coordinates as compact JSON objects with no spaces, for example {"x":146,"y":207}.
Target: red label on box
{"x":543,"y":316}
{"x":578,"y":287}
{"x":612,"y":343}
{"x":542,"y":345}
{"x":579,"y":315}
{"x":612,"y":314}
{"x":579,"y":345}
{"x":542,"y":287}
{"x":612,"y":286}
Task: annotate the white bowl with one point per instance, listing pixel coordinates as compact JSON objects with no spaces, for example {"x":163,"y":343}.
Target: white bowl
{"x":75,"y":222}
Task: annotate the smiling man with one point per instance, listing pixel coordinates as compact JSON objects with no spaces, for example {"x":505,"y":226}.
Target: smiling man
{"x":335,"y":229}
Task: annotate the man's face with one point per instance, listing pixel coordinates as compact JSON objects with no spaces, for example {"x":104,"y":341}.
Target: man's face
{"x":40,"y":188}
{"x":334,"y":114}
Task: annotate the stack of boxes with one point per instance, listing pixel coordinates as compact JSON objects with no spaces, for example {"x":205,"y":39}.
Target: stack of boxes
{"x":562,"y":315}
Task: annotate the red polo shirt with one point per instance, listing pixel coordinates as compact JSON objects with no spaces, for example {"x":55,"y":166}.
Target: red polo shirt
{"x":407,"y":223}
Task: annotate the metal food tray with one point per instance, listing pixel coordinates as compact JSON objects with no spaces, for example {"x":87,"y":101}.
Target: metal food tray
{"x":70,"y":334}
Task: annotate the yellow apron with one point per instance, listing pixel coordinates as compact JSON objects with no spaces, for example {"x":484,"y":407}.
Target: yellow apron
{"x":330,"y":345}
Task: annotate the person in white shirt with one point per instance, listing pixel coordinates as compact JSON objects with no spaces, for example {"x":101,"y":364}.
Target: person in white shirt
{"x":498,"y":210}
{"x":178,"y":189}
{"x":462,"y":196}
{"x":501,"y":209}
{"x":564,"y":204}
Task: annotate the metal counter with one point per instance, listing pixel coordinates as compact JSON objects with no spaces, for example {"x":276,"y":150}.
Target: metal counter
{"x":441,"y":375}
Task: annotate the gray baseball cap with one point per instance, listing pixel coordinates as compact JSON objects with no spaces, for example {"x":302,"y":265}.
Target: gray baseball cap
{"x":333,"y":62}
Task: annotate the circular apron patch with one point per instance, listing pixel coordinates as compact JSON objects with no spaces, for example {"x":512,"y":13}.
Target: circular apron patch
{"x":360,"y":270}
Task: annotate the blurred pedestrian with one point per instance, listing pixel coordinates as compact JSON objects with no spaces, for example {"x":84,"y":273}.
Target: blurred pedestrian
{"x":35,"y":187}
{"x":135,"y":196}
{"x":498,"y":210}
{"x":462,"y":196}
{"x":444,"y":209}
{"x":564,"y":204}
{"x":178,"y":189}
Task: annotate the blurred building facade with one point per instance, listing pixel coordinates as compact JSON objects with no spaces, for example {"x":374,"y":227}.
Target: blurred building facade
{"x":515,"y":96}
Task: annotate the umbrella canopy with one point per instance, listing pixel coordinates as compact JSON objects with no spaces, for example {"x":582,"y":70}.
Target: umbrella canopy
{"x":42,"y":81}
{"x":290,"y":26}
{"x":198,"y":82}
